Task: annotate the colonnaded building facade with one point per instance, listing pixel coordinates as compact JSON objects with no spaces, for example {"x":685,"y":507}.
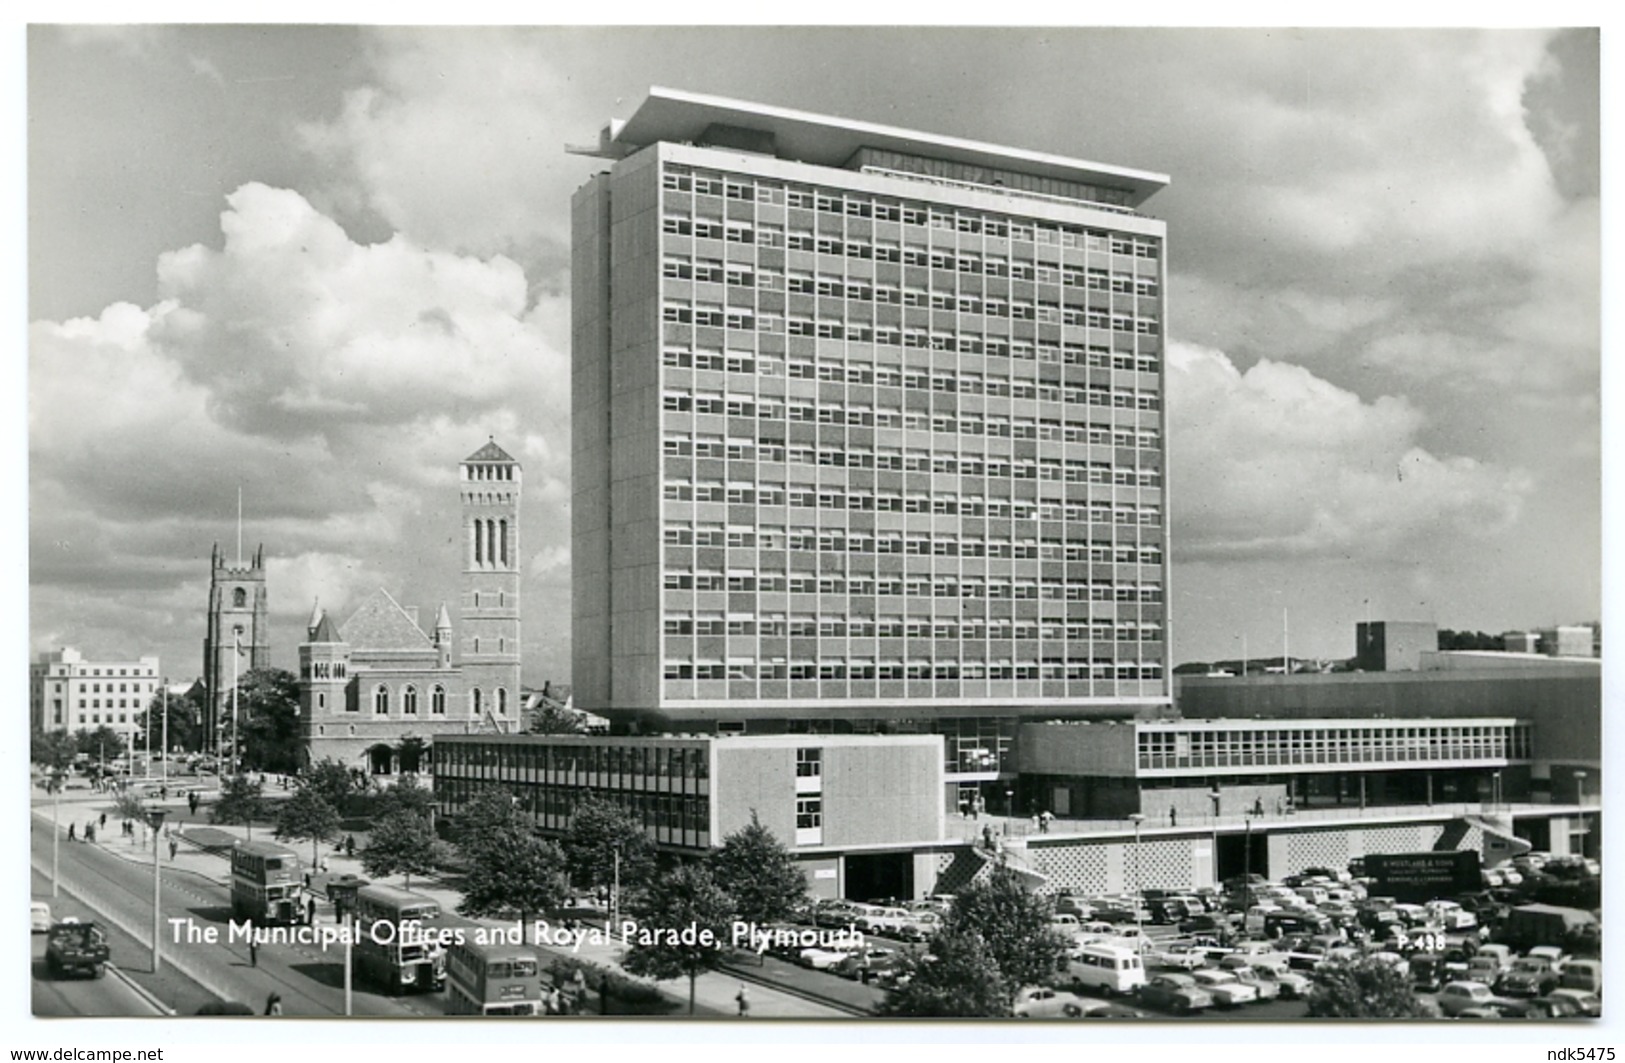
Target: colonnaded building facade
{"x":378,"y":689}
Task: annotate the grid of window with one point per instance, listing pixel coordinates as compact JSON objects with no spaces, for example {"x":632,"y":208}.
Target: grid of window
{"x":1281,"y":745}
{"x":665,"y":787}
{"x":908,"y":449}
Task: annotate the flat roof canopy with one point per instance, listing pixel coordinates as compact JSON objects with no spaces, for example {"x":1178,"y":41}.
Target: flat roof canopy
{"x":673,"y":115}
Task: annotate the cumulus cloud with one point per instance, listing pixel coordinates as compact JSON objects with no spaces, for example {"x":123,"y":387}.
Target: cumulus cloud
{"x":336,"y":383}
{"x":1275,"y":462}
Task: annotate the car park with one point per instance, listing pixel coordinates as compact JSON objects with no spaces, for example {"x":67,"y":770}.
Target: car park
{"x":1043,"y":1002}
{"x":1225,"y":988}
{"x":1177,"y":993}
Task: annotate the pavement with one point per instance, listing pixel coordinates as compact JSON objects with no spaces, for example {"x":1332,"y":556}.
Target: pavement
{"x":715,"y":992}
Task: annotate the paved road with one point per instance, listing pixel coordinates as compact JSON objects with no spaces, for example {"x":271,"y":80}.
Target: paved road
{"x":309,"y":980}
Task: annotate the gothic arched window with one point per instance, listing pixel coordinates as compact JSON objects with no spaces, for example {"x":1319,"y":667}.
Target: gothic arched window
{"x":380,"y":700}
{"x":409,"y":701}
{"x":437,"y":700}
{"x":502,"y":701}
{"x":239,"y":598}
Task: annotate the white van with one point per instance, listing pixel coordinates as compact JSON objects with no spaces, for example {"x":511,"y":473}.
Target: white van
{"x":1108,"y":968}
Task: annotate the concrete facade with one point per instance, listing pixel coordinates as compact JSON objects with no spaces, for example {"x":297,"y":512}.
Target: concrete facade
{"x":68,"y":693}
{"x":736,"y":342}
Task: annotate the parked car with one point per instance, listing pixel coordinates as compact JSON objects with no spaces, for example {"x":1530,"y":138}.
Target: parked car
{"x":868,"y":964}
{"x":1293,"y":985}
{"x":1457,"y":997}
{"x":1583,"y":974}
{"x":1529,"y":977}
{"x":40,"y":917}
{"x":1043,"y":1002}
{"x":824,"y":957}
{"x":1266,"y":988}
{"x":1180,"y":955}
{"x":1204,"y":924}
{"x":1225,"y":988}
{"x":1590,"y":1004}
{"x":1553,"y":1008}
{"x":1177,"y":993}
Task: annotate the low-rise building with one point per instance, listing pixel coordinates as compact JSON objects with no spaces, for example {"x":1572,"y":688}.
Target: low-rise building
{"x":69,"y":693}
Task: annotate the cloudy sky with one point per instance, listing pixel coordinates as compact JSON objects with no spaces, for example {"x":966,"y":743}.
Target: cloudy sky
{"x":324,"y":264}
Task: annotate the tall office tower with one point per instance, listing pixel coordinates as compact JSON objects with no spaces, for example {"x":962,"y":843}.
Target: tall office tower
{"x":868,"y":431}
{"x":490,"y":488}
{"x":238,"y":625}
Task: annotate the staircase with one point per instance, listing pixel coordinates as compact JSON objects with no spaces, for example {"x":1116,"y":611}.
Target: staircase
{"x":1012,"y":854}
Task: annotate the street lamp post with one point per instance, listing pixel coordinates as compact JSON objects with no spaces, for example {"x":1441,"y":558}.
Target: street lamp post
{"x":1139,"y":887}
{"x":165,"y":682}
{"x":1495,"y":789}
{"x":58,"y":776}
{"x":1580,"y":799}
{"x":1246,"y":855}
{"x":155,"y":817}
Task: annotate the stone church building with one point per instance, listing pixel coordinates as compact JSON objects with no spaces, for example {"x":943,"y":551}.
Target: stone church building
{"x":376,"y":689}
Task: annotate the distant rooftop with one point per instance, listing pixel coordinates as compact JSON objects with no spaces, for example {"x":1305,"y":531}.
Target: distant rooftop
{"x":675,"y":116}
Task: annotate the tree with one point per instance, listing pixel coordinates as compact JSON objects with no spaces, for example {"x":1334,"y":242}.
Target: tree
{"x":553,"y":719}
{"x":401,"y":843}
{"x":241,"y":801}
{"x":413,"y":751}
{"x":510,"y":868}
{"x":103,"y":742}
{"x":268,"y":706}
{"x":332,"y":780}
{"x":52,"y":750}
{"x":407,"y":795}
{"x":760,"y":873}
{"x":957,"y":978}
{"x":307,"y":814}
{"x":1013,"y":925}
{"x":598,"y":831}
{"x":1365,"y":988}
{"x":185,"y":719}
{"x":128,"y":806}
{"x":683,"y":927}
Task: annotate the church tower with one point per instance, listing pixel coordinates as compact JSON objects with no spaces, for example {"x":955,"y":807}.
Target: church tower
{"x":488,"y":634}
{"x":237,"y":619}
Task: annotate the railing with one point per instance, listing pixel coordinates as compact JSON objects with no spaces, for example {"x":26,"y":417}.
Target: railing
{"x":974,"y":830}
{"x":998,"y":190}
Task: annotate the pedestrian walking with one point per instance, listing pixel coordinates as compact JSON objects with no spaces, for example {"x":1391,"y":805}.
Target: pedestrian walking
{"x":253,"y":951}
{"x":743,"y":998}
{"x":90,"y":832}
{"x":273,"y":1004}
{"x":191,"y":801}
{"x":103,"y":821}
{"x":349,"y":845}
{"x":310,"y":911}
{"x":70,"y":832}
{"x":173,"y":847}
{"x":964,"y":809}
{"x":163,"y":793}
{"x":1173,"y":816}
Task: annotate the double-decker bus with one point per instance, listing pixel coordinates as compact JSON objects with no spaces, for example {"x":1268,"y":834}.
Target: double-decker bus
{"x":492,"y":979}
{"x":397,"y":946}
{"x":265,"y":883}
